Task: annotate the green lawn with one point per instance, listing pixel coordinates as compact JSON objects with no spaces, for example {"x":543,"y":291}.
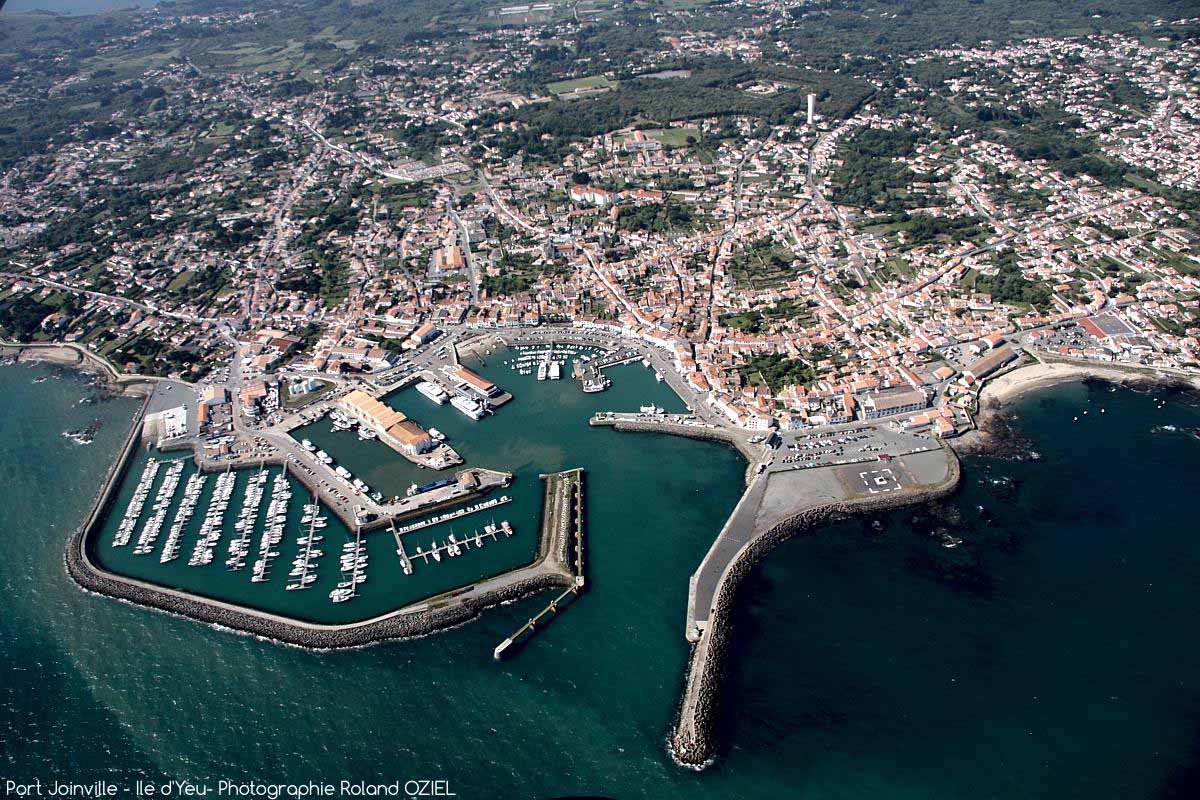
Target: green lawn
{"x":593,"y":82}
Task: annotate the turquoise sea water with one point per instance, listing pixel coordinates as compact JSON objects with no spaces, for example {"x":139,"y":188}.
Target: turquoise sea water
{"x":1052,"y":654}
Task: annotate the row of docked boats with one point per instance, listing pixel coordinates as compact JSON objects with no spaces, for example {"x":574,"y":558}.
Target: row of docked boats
{"x":158,"y":512}
{"x":183,"y":515}
{"x":356,"y":484}
{"x":547,"y":362}
{"x":342,"y":422}
{"x":133,"y":511}
{"x":272,"y":535}
{"x":353,"y":562}
{"x":305,"y":563}
{"x":454,"y":546}
{"x":213,"y":523}
{"x":243,"y":526}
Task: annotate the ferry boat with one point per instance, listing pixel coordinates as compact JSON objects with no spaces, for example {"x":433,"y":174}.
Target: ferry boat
{"x":434,"y":392}
{"x":468,"y":407}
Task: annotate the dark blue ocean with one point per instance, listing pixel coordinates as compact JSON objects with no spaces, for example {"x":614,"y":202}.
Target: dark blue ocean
{"x":1051,"y":654}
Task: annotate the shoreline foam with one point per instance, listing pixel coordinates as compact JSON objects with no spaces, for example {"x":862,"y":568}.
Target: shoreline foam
{"x":1023,"y":380}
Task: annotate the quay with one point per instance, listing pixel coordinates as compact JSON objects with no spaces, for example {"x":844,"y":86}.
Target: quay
{"x":562,"y":517}
{"x":453,"y":515}
{"x":686,"y":425}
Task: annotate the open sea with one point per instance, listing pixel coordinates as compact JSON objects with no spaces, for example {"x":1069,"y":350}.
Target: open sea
{"x":1052,"y":653}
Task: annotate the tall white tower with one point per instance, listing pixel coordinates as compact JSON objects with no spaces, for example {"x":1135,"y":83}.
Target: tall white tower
{"x":812,"y":108}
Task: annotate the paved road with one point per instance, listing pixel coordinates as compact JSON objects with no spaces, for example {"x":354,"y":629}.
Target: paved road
{"x":115,"y":298}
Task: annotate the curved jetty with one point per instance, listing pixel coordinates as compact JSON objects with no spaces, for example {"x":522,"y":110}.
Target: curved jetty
{"x":778,"y":504}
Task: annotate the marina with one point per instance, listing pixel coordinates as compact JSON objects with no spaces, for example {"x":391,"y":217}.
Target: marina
{"x":373,"y":569}
{"x":275,"y":547}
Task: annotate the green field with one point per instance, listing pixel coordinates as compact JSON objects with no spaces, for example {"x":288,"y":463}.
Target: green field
{"x":670,"y":137}
{"x":593,"y":82}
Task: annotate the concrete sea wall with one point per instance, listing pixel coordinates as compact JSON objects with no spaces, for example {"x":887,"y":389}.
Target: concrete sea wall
{"x":701,"y":433}
{"x":691,"y":743}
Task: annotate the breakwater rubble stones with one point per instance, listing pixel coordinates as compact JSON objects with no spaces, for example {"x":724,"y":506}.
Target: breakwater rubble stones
{"x":399,"y":625}
{"x":691,"y":744}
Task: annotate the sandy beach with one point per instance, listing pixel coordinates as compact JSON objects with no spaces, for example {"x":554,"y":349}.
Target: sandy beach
{"x":1040,"y":375}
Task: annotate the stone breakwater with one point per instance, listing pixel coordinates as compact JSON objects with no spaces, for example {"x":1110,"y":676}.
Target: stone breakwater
{"x":702,"y":433}
{"x":691,"y":743}
{"x":420,"y":619}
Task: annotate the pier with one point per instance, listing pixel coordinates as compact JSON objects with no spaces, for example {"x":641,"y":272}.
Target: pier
{"x":405,"y":562}
{"x":452,"y":548}
{"x":562,"y":519}
{"x":450,"y":516}
{"x":529,"y":626}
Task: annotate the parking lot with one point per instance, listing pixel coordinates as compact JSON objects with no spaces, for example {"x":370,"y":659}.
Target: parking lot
{"x":798,"y":450}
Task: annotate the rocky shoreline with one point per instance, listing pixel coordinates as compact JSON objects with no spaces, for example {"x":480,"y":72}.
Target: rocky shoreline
{"x":996,"y":432}
{"x":77,"y":357}
{"x":691,"y":742}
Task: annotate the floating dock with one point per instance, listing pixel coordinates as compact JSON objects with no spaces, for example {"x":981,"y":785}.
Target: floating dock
{"x":450,"y":516}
